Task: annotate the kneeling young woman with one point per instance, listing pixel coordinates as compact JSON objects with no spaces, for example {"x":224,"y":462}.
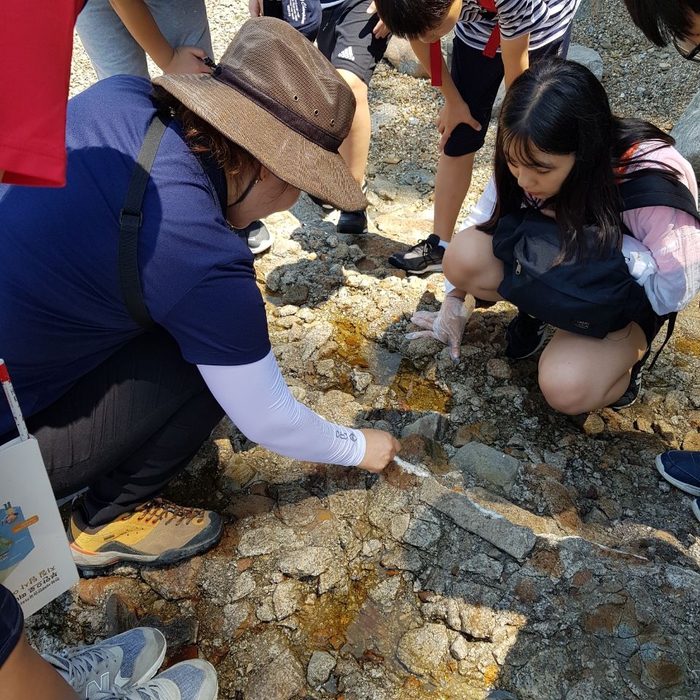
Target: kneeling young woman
{"x":560,"y":151}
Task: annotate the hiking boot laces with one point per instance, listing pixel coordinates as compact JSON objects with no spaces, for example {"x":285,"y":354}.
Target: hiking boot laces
{"x":159,"y":508}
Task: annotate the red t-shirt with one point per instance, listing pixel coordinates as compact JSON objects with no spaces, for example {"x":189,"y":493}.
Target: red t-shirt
{"x":37,"y":43}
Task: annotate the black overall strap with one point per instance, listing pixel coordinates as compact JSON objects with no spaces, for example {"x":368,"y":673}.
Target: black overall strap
{"x":130,"y":219}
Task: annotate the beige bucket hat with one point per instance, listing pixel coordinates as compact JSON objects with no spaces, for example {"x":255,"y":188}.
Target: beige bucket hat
{"x":277,"y":96}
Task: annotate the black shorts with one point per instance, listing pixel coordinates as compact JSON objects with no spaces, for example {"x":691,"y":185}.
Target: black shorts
{"x":11,"y":623}
{"x":478,"y":77}
{"x":346,"y":40}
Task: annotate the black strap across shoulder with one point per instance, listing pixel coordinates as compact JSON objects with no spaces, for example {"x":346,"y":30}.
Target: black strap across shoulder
{"x":130,"y":219}
{"x":654,"y":190}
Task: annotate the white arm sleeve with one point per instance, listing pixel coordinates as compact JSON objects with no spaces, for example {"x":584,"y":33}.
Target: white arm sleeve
{"x":257,"y":399}
{"x":484,"y":207}
{"x":480,"y":212}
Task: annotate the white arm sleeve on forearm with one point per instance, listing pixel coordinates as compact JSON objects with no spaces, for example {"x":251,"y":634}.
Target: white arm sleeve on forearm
{"x":483,"y":209}
{"x":257,"y":399}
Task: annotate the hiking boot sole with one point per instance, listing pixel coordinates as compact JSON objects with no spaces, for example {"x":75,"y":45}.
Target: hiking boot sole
{"x":428,"y":268}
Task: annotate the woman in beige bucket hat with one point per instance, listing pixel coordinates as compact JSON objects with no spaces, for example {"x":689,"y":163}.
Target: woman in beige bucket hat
{"x":123,"y":248}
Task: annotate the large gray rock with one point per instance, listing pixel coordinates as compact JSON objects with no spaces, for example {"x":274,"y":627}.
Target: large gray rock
{"x":687,"y":134}
{"x":487,"y":464}
{"x":400,"y":54}
{"x":512,"y":539}
{"x":587,"y":57}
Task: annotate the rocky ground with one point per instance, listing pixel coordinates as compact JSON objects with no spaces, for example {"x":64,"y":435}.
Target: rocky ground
{"x":544,"y":558}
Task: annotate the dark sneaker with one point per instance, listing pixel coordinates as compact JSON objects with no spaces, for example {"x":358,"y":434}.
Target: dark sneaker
{"x":682,"y":469}
{"x":634,"y":388}
{"x":158,"y":532}
{"x":117,"y":663}
{"x":352,"y":222}
{"x":425,"y":256}
{"x":326,"y":206}
{"x":256,"y":236}
{"x":525,"y":335}
{"x":696,"y":507}
{"x":188,"y":680}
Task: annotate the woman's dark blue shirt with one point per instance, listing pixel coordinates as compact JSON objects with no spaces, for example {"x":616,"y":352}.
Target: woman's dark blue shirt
{"x":61,"y":310}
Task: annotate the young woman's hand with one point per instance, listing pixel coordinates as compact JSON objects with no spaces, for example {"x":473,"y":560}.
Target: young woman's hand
{"x":447,"y":325}
{"x":453,"y":113}
{"x":255,"y":7}
{"x":187,"y":59}
{"x":381,"y":448}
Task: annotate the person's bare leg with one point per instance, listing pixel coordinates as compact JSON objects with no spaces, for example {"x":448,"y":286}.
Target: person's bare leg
{"x":26,"y":675}
{"x":355,"y":148}
{"x":452,"y":181}
{"x":578,"y":374}
{"x":469,"y":264}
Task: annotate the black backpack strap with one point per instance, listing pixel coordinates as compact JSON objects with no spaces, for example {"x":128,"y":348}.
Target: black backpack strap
{"x":130,"y":219}
{"x":655,"y":190}
{"x":671,"y":320}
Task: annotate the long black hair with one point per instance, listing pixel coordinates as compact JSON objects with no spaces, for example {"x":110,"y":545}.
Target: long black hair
{"x":560,"y":107}
{"x":661,"y":20}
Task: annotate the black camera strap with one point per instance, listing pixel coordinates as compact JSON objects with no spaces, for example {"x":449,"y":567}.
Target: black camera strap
{"x":130,"y":220}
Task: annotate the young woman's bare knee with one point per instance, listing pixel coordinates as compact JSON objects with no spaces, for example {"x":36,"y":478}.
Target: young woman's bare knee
{"x":469,"y":264}
{"x":578,"y":374}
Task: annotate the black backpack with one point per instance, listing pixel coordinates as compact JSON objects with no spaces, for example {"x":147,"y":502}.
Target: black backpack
{"x":593,"y":297}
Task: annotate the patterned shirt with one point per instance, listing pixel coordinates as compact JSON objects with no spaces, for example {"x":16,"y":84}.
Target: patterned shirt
{"x":544,"y":20}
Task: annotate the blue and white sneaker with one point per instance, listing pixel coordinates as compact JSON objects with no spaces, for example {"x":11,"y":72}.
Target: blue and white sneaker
{"x":682,"y":469}
{"x":189,"y":680}
{"x":116,"y":664}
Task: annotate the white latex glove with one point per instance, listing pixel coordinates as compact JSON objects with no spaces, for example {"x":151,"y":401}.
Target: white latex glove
{"x":446,"y":325}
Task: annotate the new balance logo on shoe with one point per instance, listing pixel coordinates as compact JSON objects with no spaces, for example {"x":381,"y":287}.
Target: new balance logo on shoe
{"x":347,"y":54}
{"x":95,"y":687}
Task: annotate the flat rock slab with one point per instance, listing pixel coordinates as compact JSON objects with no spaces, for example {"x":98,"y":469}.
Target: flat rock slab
{"x":512,"y":539}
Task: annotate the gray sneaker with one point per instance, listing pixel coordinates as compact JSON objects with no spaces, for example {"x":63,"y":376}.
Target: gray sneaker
{"x":117,"y":663}
{"x":256,"y":235}
{"x":189,"y":680}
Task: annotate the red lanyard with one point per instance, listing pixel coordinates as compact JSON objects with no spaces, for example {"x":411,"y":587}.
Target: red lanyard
{"x":490,"y":50}
{"x":495,"y":39}
{"x":436,"y":63}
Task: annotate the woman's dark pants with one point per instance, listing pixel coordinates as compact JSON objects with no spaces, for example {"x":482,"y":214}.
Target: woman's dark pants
{"x":127,"y":428}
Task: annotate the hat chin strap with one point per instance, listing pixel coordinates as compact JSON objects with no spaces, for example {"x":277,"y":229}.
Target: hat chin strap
{"x":246,"y":191}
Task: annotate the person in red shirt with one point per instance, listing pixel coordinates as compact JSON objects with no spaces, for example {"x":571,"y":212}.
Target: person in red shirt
{"x":33,"y":97}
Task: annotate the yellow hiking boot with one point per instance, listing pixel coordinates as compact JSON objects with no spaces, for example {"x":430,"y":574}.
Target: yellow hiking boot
{"x":157,"y":532}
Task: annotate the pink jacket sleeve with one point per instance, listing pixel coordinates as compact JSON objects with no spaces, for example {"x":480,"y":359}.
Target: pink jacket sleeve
{"x":667,"y":247}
